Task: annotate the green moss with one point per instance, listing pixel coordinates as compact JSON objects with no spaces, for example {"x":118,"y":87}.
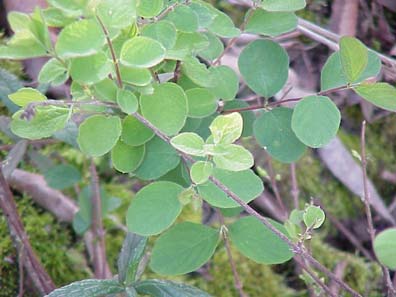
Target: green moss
{"x":52,"y":243}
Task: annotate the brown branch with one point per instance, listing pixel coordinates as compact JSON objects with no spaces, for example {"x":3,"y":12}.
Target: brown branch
{"x":237,"y":281}
{"x":99,"y":247}
{"x":35,"y":270}
{"x":366,"y":200}
{"x":295,"y":192}
{"x":280,"y":102}
{"x":112,"y":51}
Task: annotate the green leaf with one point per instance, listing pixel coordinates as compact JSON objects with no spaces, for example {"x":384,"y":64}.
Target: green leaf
{"x":183,"y":248}
{"x":258,"y":242}
{"x":53,"y":72}
{"x":46,"y":121}
{"x":62,"y":176}
{"x":142,"y":52}
{"x":165,"y":288}
{"x":117,"y":13}
{"x":128,"y":261}
{"x":333,"y":76}
{"x":354,"y":57}
{"x":226,"y":84}
{"x":162,"y":31}
{"x":166,"y":108}
{"x":200,"y":172}
{"x":313,"y":217}
{"x":197,"y":72}
{"x":22,"y":45}
{"x":226,"y":128}
{"x":9,"y":83}
{"x":316,"y":120}
{"x":385,"y":247}
{"x":127,"y":101}
{"x":264,"y":66}
{"x":81,"y":38}
{"x":98,"y":134}
{"x":189,"y":143}
{"x":106,"y":90}
{"x":248,"y":116}
{"x":283,"y":5}
{"x":233,"y":157}
{"x":160,"y":158}
{"x":187,"y":44}
{"x":270,"y":23}
{"x":184,"y":18}
{"x":89,"y":288}
{"x":25,"y":96}
{"x":201,"y":103}
{"x":55,"y":17}
{"x":214,"y":49}
{"x":135,"y":76}
{"x":205,"y":14}
{"x":74,"y":7}
{"x":274,"y":133}
{"x":223,"y":26}
{"x":91,"y":69}
{"x":134,"y":132}
{"x":380,"y":94}
{"x":245,"y":184}
{"x":127,"y":158}
{"x":154,"y":208}
{"x":149,"y":8}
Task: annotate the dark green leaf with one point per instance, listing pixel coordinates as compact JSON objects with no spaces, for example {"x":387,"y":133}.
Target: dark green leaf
{"x":62,"y":176}
{"x":134,"y":132}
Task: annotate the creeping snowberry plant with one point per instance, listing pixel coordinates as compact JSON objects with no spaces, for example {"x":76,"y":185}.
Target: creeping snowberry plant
{"x":147,"y":88}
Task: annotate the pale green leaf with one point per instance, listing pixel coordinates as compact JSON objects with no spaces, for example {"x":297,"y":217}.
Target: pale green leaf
{"x":223,"y":26}
{"x":91,"y":69}
{"x":354,"y":57}
{"x":316,"y":120}
{"x":142,"y":52}
{"x":166,"y":288}
{"x":245,"y":184}
{"x":198,"y":73}
{"x":233,"y":157}
{"x":134,"y":132}
{"x":162,"y":31}
{"x":183,"y":248}
{"x":127,"y":101}
{"x":226,"y":82}
{"x":25,"y":96}
{"x":257,"y":242}
{"x":201,"y":103}
{"x":135,"y":76}
{"x":117,"y":13}
{"x":200,"y":172}
{"x":283,"y":5}
{"x":214,"y":49}
{"x":81,"y":38}
{"x":184,"y":18}
{"x":264,"y":65}
{"x":98,"y":134}
{"x":313,"y":217}
{"x":89,"y":288}
{"x":74,"y":7}
{"x":53,"y":72}
{"x":385,"y":247}
{"x":380,"y":94}
{"x":154,"y":208}
{"x":189,"y":143}
{"x":45,"y":122}
{"x":126,"y":158}
{"x":166,"y":108}
{"x":226,"y":128}
{"x":149,"y":8}
{"x":271,"y":23}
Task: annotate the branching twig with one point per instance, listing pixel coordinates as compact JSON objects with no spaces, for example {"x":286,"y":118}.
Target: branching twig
{"x":34,"y":269}
{"x":99,"y":260}
{"x":237,"y":281}
{"x":366,"y":200}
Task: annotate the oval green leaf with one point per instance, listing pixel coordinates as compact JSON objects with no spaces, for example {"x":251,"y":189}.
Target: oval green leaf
{"x":127,"y":101}
{"x":316,"y":120}
{"x":385,"y":247}
{"x":183,"y":248}
{"x":283,"y":5}
{"x":154,"y":208}
{"x":166,"y":108}
{"x":354,"y":57}
{"x":380,"y":94}
{"x":200,"y":172}
{"x":274,"y":133}
{"x":258,"y":242}
{"x":134,"y":132}
{"x":91,"y":69}
{"x":126,"y":158}
{"x":98,"y":134}
{"x":201,"y":103}
{"x":264,"y":66}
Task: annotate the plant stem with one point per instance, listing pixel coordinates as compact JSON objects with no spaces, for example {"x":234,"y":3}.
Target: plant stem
{"x":295,"y":192}
{"x":280,"y":102}
{"x":112,"y":51}
{"x":371,"y":230}
{"x":40,"y":278}
{"x":99,"y":249}
{"x":237,"y":281}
